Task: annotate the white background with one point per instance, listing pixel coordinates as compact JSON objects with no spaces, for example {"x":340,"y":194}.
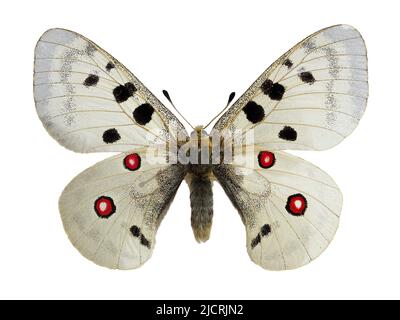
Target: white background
{"x":199,"y":51}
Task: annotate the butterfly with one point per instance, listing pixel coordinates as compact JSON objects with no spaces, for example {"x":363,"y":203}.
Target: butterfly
{"x":311,"y":98}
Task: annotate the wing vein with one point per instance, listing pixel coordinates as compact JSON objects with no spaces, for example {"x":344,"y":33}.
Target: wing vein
{"x":316,"y":109}
{"x":291,"y":227}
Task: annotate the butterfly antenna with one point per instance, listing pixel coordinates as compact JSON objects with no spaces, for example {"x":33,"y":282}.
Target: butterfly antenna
{"x":166,"y":94}
{"x":231,"y":97}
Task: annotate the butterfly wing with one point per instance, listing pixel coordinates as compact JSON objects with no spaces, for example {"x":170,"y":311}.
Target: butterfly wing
{"x":89,"y":102}
{"x":311,"y":98}
{"x":112,"y":210}
{"x":290,"y":207}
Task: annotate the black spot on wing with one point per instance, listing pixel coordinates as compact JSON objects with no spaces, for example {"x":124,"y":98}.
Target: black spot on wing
{"x":255,"y":241}
{"x":267,"y":86}
{"x":307,"y":77}
{"x":135,"y":230}
{"x":254,"y":112}
{"x":91,"y":80}
{"x":124,"y":92}
{"x":265,"y":230}
{"x":273,"y":90}
{"x":110,"y":66}
{"x":111,"y":136}
{"x":143,"y":113}
{"x":288,"y":133}
{"x":137,"y":233}
{"x":144,"y":241}
{"x":288,"y":63}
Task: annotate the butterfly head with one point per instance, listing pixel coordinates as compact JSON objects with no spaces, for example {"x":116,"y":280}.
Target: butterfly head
{"x":198,"y":133}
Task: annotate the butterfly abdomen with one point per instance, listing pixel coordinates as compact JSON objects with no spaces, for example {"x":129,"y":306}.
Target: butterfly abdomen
{"x":201,"y":200}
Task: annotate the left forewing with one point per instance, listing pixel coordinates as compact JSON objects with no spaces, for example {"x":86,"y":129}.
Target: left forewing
{"x":89,"y":102}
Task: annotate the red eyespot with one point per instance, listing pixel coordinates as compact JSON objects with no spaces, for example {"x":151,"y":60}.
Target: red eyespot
{"x":104,"y":207}
{"x":132,"y":162}
{"x":266,"y":159}
{"x":296,"y":204}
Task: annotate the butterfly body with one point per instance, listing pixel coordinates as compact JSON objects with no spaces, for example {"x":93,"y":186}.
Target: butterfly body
{"x":311,"y":98}
{"x":199,"y":178}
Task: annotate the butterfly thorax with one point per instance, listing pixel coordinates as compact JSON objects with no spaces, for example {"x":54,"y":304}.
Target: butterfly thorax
{"x":197,"y":149}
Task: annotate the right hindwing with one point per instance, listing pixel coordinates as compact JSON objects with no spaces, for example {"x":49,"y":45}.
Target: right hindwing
{"x":290,"y":207}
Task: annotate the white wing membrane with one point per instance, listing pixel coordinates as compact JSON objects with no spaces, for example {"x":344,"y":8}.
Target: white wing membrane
{"x":112,"y":210}
{"x":291,"y":209}
{"x":311,"y":98}
{"x":90,"y":102}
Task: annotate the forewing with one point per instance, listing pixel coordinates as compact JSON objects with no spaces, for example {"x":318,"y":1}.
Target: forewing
{"x":311,"y":98}
{"x":88,"y":101}
{"x":112,"y":210}
{"x":290,"y":208}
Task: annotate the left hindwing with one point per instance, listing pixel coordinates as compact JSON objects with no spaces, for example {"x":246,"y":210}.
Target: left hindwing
{"x":111,"y":211}
{"x":311,"y":98}
{"x":290,"y":207}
